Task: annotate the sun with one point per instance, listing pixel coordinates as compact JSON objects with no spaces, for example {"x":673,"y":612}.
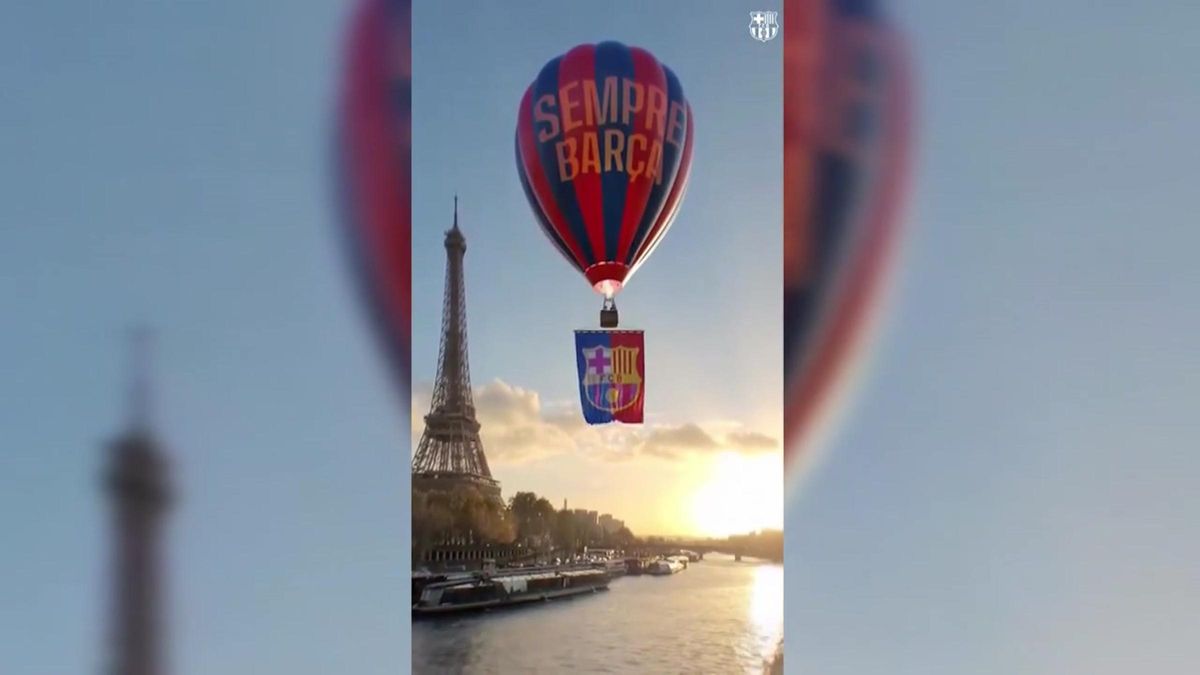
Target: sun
{"x":742,"y":493}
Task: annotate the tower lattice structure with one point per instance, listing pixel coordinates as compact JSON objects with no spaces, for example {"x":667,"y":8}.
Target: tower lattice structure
{"x":451,"y":451}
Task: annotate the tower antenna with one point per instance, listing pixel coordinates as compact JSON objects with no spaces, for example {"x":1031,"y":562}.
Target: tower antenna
{"x":140,"y":393}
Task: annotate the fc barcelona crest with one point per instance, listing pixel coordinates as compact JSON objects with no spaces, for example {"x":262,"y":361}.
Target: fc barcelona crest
{"x":763,"y":25}
{"x":612,"y":368}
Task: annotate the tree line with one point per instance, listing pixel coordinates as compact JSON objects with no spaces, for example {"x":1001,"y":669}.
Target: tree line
{"x":465,"y":516}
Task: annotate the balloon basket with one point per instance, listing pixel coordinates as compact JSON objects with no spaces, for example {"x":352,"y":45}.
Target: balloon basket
{"x":608,"y":314}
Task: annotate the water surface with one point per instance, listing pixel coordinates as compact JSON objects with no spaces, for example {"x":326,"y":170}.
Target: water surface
{"x":717,"y":616}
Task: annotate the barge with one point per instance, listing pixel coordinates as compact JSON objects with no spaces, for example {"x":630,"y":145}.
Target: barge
{"x":486,"y":591}
{"x":614,"y":566}
{"x":665,"y":567}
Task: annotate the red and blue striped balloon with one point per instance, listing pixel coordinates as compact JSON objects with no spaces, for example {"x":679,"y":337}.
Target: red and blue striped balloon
{"x":847,"y":127}
{"x":374,"y":152}
{"x":603,"y":146}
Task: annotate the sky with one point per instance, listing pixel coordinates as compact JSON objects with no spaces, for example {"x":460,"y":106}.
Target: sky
{"x":713,"y":401}
{"x":1012,"y":488}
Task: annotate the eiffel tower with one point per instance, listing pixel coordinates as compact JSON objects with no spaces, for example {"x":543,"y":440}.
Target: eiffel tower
{"x":450,"y":453}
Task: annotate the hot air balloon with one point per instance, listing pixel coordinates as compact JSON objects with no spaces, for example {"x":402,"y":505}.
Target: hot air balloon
{"x":603,"y":146}
{"x":373,"y":152}
{"x":846,"y":134}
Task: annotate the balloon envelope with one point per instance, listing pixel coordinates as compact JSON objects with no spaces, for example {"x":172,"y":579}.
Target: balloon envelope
{"x":846,"y":135}
{"x":374,"y":149}
{"x":603,"y":147}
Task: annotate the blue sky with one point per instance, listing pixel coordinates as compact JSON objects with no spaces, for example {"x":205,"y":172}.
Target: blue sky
{"x":1013,"y":489}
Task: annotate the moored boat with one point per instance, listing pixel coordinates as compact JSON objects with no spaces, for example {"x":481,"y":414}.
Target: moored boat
{"x":635,"y":565}
{"x":487,"y":591}
{"x":614,"y":566}
{"x":665,"y":567}
{"x":681,"y":559}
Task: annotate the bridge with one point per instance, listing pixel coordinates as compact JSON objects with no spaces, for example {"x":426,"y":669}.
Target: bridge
{"x":765,"y":545}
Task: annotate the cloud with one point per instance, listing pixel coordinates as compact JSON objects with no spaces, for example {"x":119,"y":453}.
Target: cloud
{"x":422,"y":395}
{"x":513,"y":427}
{"x":675,"y":441}
{"x":517,"y":427}
{"x":502,"y":404}
{"x":751,"y":441}
{"x":670,"y":442}
{"x":511,"y":421}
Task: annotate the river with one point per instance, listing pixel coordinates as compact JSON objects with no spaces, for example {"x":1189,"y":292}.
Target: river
{"x":717,"y":616}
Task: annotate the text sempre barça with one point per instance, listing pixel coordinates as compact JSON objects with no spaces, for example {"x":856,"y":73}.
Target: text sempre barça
{"x":580,"y":103}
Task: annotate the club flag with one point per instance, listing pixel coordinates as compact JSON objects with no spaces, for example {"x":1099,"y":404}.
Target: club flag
{"x":612,"y":375}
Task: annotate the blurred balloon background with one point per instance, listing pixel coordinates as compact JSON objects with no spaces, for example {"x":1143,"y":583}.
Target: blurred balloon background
{"x":847,"y":122}
{"x":1013,"y":487}
{"x":374,"y":169}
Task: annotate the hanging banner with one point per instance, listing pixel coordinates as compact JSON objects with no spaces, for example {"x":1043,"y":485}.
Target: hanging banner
{"x":612,"y":372}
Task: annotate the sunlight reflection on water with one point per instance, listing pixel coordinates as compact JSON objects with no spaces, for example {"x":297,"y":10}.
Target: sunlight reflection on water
{"x":766,"y":610}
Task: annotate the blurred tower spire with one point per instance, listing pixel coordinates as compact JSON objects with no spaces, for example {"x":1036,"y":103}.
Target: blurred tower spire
{"x":138,"y":489}
{"x":139,"y":379}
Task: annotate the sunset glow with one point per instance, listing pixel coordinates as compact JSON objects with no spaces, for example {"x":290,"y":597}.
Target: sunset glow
{"x":742,"y":493}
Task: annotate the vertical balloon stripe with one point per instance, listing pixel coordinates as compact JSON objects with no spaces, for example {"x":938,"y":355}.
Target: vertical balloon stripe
{"x":865,"y":269}
{"x":674,"y":200}
{"x":850,"y":163}
{"x":368,"y":168}
{"x":831,"y":223}
{"x":392,"y":331}
{"x":562,"y":192}
{"x":835,"y":219}
{"x":547,"y":228}
{"x":529,"y":165}
{"x":649,"y":73}
{"x":613,"y":60}
{"x":578,"y":65}
{"x":381,"y":176}
{"x":374,"y":160}
{"x":672,"y":154}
